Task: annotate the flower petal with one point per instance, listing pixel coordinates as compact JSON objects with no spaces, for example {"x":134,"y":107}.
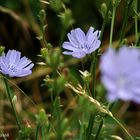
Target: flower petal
{"x":94,"y":46}
{"x":80,"y":35}
{"x":69,"y":46}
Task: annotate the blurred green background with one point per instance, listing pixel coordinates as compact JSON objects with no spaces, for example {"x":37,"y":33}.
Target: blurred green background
{"x":21,"y":27}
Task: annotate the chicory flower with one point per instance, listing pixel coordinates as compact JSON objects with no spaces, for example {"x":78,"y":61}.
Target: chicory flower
{"x":13,"y":65}
{"x":121,"y":74}
{"x":81,"y":44}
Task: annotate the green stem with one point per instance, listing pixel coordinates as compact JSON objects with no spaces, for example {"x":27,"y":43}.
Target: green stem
{"x":99,"y":129}
{"x":12,"y":105}
{"x":43,"y":133}
{"x":93,"y":63}
{"x":57,"y":116}
{"x":87,"y":88}
{"x":136,"y":24}
{"x":105,"y":20}
{"x":37,"y":131}
{"x":62,"y":35}
{"x":81,"y":131}
{"x":82,"y":64}
{"x":90,"y":126}
{"x":93,"y":70}
{"x":112,"y":26}
{"x":102,"y":121}
{"x":54,"y":91}
{"x":19,"y":89}
{"x":122,"y":128}
{"x":44,"y":41}
{"x":126,"y":12}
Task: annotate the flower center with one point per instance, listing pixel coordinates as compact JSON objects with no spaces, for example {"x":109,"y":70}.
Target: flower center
{"x":12,"y":68}
{"x":83,"y":47}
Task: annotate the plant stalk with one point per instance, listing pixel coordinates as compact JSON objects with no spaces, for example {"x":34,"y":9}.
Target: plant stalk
{"x":136,"y":23}
{"x":93,"y":70}
{"x":112,"y":26}
{"x":12,"y":105}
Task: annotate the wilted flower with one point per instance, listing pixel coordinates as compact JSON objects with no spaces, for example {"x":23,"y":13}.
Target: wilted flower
{"x":80,"y":44}
{"x":121,"y":74}
{"x":14,"y":65}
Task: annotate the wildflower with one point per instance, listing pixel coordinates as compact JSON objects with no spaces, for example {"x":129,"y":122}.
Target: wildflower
{"x":121,"y":74}
{"x":14,"y":65}
{"x":80,"y":44}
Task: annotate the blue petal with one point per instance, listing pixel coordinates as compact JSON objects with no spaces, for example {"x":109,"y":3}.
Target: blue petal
{"x":80,"y":35}
{"x":69,"y":46}
{"x":108,"y":63}
{"x":94,"y":46}
{"x":79,"y":54}
{"x":23,"y":73}
{"x":72,"y":38}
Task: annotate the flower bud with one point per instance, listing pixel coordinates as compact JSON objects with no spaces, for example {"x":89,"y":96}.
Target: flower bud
{"x":42,"y":15}
{"x":42,"y":117}
{"x":2,"y":48}
{"x":103,"y":9}
{"x":56,"y":5}
{"x":85,"y":75}
{"x":44,"y":52}
{"x":49,"y":46}
{"x":66,"y":18}
{"x":115,"y":3}
{"x":55,"y":58}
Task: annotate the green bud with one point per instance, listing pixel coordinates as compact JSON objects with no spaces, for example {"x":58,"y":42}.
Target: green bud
{"x":44,"y":52}
{"x":42,"y":117}
{"x":115,"y":3}
{"x":56,"y":5}
{"x":125,"y":41}
{"x":103,"y":9}
{"x":42,"y":15}
{"x":85,"y":75}
{"x":66,"y":18}
{"x":49,"y":46}
{"x":109,"y":14}
{"x":55,"y":58}
{"x":48,"y":81}
{"x":25,"y":133}
{"x":2,"y":48}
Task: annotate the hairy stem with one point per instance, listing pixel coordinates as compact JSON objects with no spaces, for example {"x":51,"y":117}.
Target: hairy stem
{"x":12,"y":105}
{"x":112,"y":26}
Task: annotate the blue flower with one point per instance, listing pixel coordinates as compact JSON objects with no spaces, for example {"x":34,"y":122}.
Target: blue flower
{"x":121,"y":74}
{"x":14,"y":65}
{"x":80,"y":44}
